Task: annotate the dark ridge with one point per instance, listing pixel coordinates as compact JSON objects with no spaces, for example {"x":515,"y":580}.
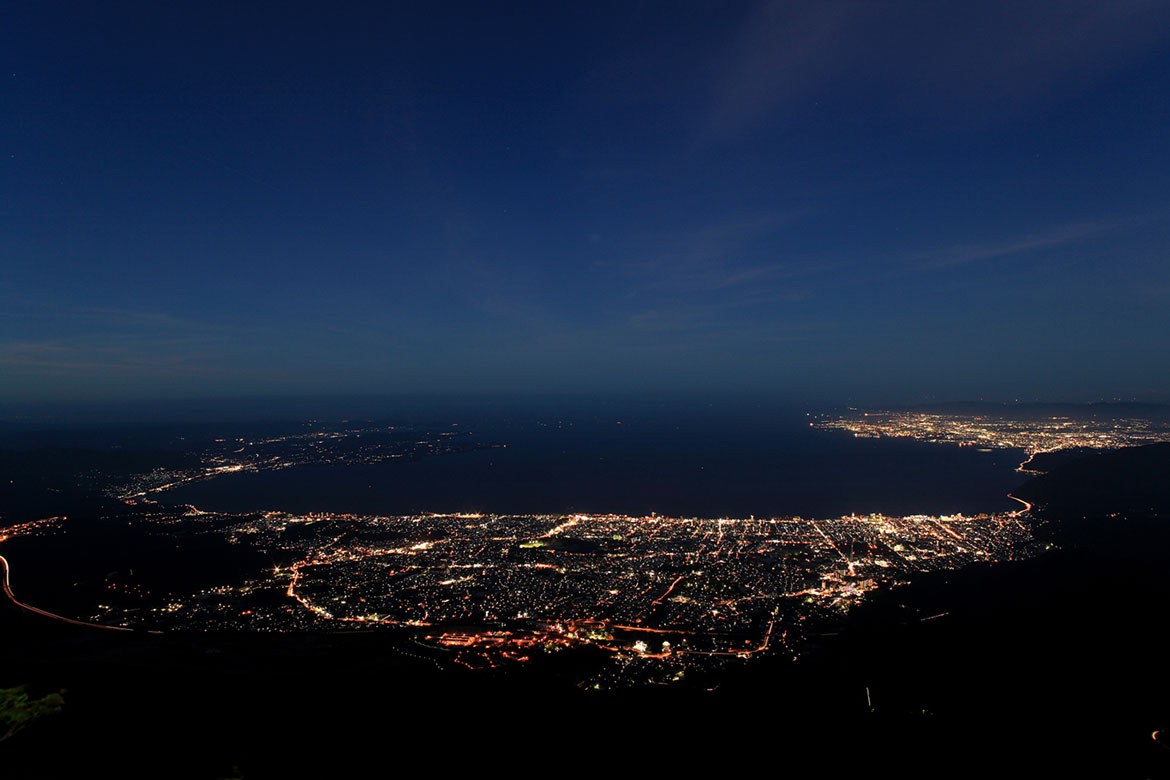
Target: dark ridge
{"x":1056,"y":664}
{"x":1084,"y":494}
{"x":1044,"y":462}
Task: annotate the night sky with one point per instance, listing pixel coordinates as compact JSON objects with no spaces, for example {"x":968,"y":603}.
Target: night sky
{"x":901,"y":201}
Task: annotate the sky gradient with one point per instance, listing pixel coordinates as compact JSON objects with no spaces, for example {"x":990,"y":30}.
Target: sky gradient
{"x":834,"y":200}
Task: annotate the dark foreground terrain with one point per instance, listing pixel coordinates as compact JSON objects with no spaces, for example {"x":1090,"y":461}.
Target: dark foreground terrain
{"x":1055,"y":666}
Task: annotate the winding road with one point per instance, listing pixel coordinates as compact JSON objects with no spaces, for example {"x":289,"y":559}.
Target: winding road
{"x":35,"y":610}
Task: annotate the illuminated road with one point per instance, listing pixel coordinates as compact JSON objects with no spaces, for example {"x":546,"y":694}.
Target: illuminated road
{"x":29,"y":608}
{"x":1027,"y":506}
{"x":1031,"y":457}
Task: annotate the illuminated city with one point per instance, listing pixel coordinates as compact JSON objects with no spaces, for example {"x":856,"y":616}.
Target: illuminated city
{"x":1032,"y":435}
{"x":661,"y":594}
{"x":339,"y":444}
{"x":658,"y":596}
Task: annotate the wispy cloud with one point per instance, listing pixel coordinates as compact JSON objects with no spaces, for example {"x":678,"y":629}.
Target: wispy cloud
{"x":967,"y":254}
{"x":715,"y":256}
{"x":55,"y":340}
{"x":705,"y":316}
{"x":89,"y":356}
{"x":782,"y":51}
{"x":962,"y":254}
{"x":504,"y":294}
{"x":942,"y":56}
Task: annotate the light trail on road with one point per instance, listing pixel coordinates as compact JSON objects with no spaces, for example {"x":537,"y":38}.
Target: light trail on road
{"x":30,"y":608}
{"x":1027,"y":506}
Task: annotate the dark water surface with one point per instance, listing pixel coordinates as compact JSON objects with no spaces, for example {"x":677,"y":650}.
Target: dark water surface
{"x":690,"y":462}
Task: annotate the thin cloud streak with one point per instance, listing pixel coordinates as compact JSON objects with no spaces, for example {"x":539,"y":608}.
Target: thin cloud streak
{"x":1005,"y":55}
{"x":79,"y":359}
{"x":710,"y":257}
{"x":956,"y":256}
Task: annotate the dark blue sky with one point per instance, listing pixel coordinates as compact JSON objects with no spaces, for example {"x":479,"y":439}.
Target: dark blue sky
{"x":831,"y":200}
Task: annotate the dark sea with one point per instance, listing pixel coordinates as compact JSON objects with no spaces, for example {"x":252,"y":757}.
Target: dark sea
{"x":682,"y":461}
